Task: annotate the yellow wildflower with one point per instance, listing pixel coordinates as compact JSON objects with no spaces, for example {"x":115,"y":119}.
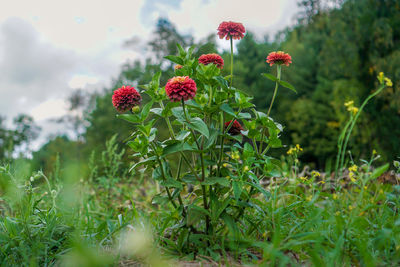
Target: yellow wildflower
{"x":334,"y":196}
{"x":374,"y":152}
{"x":321,"y":182}
{"x":246,"y":168}
{"x":365,"y":187}
{"x":351,"y":176}
{"x":349,"y":103}
{"x":315,"y":173}
{"x":353,"y":110}
{"x":235,"y":155}
{"x":295,"y":149}
{"x":303,"y":178}
{"x":308,"y":198}
{"x":353,"y":168}
{"x":388,"y":82}
{"x":225,"y":165}
{"x":380,"y":77}
{"x":298,"y":148}
{"x":351,"y":208}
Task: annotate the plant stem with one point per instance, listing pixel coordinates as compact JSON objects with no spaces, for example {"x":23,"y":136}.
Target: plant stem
{"x":231,"y":41}
{"x":354,"y":122}
{"x":203,"y":188}
{"x":340,"y":145}
{"x":278,"y":75}
{"x":171,"y":130}
{"x":164,"y":177}
{"x":278,"y":69}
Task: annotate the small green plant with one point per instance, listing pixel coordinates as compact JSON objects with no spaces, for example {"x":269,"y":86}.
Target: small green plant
{"x":354,"y":114}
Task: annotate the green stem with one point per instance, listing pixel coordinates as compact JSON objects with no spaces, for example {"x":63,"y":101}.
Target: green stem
{"x":231,"y":41}
{"x":354,"y":122}
{"x":340,"y":145}
{"x":278,"y":68}
{"x":203,"y":188}
{"x":164,"y":177}
{"x":171,"y":130}
{"x":278,"y":76}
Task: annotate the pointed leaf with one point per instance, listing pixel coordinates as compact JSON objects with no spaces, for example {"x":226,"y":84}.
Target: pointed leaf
{"x":287,"y":85}
{"x":199,"y":125}
{"x":270,"y":77}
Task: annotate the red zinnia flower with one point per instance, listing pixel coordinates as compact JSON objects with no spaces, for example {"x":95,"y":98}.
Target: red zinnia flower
{"x":125,"y":98}
{"x":212,"y":58}
{"x":232,"y":29}
{"x":235,"y":127}
{"x":279,"y":58}
{"x":180,"y":87}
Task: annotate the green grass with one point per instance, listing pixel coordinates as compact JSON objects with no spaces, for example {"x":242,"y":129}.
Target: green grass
{"x":74,"y":221}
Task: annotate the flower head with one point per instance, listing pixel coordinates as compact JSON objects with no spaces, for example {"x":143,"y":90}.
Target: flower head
{"x":294,"y":150}
{"x":279,"y":58}
{"x":180,"y":87}
{"x":125,"y":98}
{"x":316,"y":174}
{"x":388,"y":82}
{"x":353,"y":168}
{"x":212,"y":59}
{"x":230,"y":29}
{"x":350,"y":107}
{"x":235,"y":127}
{"x":178,"y":66}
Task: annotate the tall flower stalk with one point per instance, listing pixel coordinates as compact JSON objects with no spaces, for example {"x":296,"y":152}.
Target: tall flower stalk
{"x":355,"y":113}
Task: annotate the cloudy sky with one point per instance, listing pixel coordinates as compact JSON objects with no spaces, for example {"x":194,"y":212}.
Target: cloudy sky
{"x":48,"y":48}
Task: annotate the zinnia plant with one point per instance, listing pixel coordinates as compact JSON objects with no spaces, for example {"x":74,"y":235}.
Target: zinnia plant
{"x":209,"y":167}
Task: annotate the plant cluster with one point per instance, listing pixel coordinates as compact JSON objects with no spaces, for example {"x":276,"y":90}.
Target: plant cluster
{"x":218,"y":139}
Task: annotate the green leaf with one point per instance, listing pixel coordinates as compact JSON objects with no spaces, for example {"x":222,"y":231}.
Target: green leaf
{"x":132,"y":118}
{"x":222,"y":82}
{"x":213,"y":136}
{"x":226,"y":108}
{"x":221,"y":206}
{"x":195,"y":214}
{"x":159,"y":199}
{"x":157,"y":111}
{"x":144,"y":161}
{"x":378,"y":171}
{"x":173,"y":148}
{"x":287,"y":85}
{"x":216,"y":180}
{"x":244,"y":115}
{"x":182,"y":135}
{"x":178,"y":113}
{"x":169,"y":182}
{"x":230,"y":222}
{"x":182,"y":51}
{"x":156,"y":80}
{"x":270,"y":77}
{"x":146,"y":110}
{"x":199,"y":125}
{"x":237,"y":189}
{"x":175,"y":59}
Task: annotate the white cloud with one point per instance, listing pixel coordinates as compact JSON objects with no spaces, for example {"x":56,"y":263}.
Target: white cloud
{"x":81,"y":81}
{"x":48,"y":48}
